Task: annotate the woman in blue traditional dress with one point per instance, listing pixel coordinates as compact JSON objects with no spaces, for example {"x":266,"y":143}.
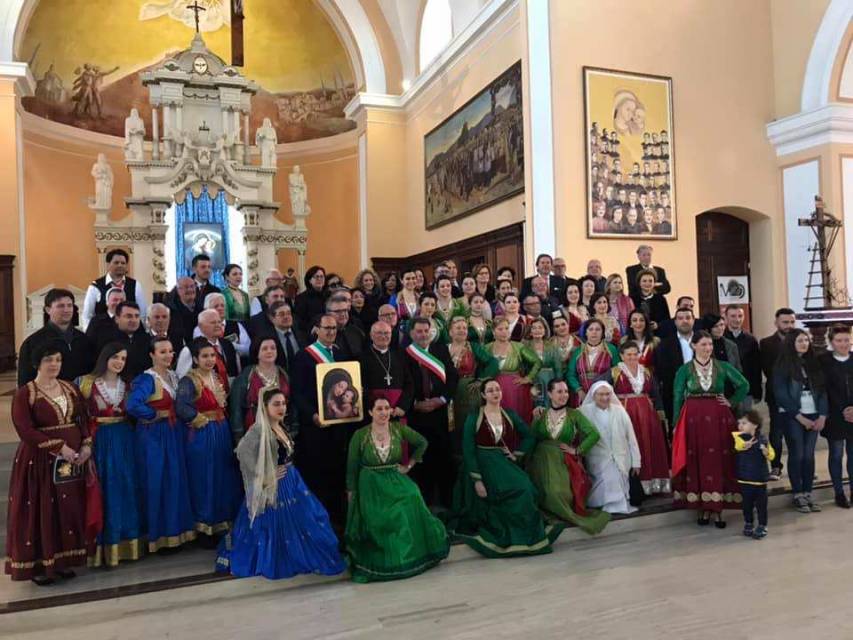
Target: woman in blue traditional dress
{"x":282,"y":530}
{"x":167,"y":514}
{"x":105,"y":391}
{"x":213,"y":476}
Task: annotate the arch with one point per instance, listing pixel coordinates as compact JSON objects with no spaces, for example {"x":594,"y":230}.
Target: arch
{"x":817,"y":89}
{"x":348,"y":18}
{"x":436,"y":23}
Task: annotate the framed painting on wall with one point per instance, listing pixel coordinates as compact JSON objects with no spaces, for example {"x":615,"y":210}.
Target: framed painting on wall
{"x":630,"y":163}
{"x":475,"y":158}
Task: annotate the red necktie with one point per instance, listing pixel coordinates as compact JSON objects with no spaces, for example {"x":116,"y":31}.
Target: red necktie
{"x":221,"y":369}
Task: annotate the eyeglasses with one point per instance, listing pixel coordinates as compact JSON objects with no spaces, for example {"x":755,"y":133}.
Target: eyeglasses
{"x":329,"y":328}
{"x":382,"y":333}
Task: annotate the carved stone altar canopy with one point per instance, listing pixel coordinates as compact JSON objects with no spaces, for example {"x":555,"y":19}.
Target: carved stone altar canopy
{"x":204,"y":105}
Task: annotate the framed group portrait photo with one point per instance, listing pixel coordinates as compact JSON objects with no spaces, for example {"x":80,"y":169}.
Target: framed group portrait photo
{"x":475,"y":158}
{"x":630,"y":162}
{"x":339,"y":397}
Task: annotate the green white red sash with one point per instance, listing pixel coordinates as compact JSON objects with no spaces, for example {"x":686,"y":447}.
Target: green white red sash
{"x":425,"y":359}
{"x":319,"y":353}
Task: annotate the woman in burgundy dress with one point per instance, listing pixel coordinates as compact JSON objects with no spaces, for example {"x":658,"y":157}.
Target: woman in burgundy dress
{"x":46,"y":526}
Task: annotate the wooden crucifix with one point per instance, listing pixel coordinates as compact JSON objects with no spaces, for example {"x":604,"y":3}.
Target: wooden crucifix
{"x":825,"y":227}
{"x":237,"y":18}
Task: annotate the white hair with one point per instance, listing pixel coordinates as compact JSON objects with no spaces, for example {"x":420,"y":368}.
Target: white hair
{"x":211,"y":298}
{"x":207,"y":315}
{"x":158,"y":306}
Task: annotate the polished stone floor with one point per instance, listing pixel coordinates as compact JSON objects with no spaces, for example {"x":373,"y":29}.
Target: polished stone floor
{"x":676,"y":581}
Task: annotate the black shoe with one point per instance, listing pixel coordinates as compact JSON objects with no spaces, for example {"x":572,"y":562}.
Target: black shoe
{"x":720,"y":524}
{"x":66,"y":575}
{"x":760,"y":532}
{"x":43,"y":581}
{"x":703,"y":522}
{"x":842,"y":501}
{"x":748,"y":530}
{"x":775,"y":474}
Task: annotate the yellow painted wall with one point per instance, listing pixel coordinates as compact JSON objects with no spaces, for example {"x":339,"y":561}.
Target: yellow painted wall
{"x":794,"y":25}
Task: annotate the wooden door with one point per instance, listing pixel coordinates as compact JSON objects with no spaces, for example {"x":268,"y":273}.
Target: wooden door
{"x":7,"y":313}
{"x":722,"y":247}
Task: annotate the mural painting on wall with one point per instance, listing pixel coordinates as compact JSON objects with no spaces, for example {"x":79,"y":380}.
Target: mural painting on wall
{"x":475,"y":158}
{"x":87,"y":56}
{"x":629,"y":156}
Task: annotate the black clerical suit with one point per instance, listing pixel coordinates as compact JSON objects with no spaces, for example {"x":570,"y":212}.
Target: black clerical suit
{"x":437,"y":469}
{"x":387,"y":375}
{"x":78,"y":357}
{"x":321,"y":452}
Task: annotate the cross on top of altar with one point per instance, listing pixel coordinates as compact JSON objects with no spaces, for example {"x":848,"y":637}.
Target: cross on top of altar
{"x":195,"y":7}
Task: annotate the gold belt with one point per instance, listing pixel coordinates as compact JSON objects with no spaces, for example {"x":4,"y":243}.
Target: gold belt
{"x":59,"y":426}
{"x":110,"y":420}
{"x":218,"y":414}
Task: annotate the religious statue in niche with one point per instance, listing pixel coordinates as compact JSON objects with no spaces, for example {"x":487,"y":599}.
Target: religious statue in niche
{"x":266,"y":140}
{"x":134,"y":135}
{"x":102,"y":172}
{"x":298,"y":193}
{"x":87,"y":90}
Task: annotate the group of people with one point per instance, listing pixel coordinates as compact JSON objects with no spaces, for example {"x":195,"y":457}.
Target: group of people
{"x":491,"y":411}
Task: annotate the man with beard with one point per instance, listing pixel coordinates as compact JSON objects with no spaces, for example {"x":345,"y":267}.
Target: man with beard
{"x":770,"y":348}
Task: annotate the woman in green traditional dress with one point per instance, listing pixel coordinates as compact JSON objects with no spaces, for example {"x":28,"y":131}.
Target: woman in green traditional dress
{"x":519,"y":367}
{"x":495,"y":504}
{"x":446,"y":307}
{"x":236,"y":300}
{"x":427,"y":305}
{"x":480,"y":328}
{"x":536,"y":338}
{"x":561,"y":346}
{"x":563,"y":436}
{"x":390,"y":533}
{"x":472,"y":361}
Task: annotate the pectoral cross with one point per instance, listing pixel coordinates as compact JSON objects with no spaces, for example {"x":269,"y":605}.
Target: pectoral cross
{"x":195,"y":7}
{"x":388,"y":379}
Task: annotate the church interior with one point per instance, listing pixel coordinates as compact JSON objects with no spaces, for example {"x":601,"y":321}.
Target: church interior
{"x":387,"y":134}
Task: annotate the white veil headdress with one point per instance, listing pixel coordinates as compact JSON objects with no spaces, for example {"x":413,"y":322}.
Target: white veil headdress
{"x":257,"y":453}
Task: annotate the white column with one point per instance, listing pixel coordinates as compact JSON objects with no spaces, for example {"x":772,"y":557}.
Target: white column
{"x":800,"y":184}
{"x":364,"y":259}
{"x":155,"y":134}
{"x":179,"y":110}
{"x":847,"y":216}
{"x":539,"y":163}
{"x":224,"y":121}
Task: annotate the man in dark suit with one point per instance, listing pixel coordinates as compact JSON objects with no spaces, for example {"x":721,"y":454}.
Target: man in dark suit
{"x":594,"y":272}
{"x":671,"y":353}
{"x":435,"y":380}
{"x":288,"y":340}
{"x":667,"y":328}
{"x":260,"y":323}
{"x":105,"y":320}
{"x":644,"y":255}
{"x":77,"y":359}
{"x":160,"y":326}
{"x":128,"y":330}
{"x":748,"y":350}
{"x":182,"y":309}
{"x":556,"y":284}
{"x":350,"y":339}
{"x":202,"y":272}
{"x":769,"y":348}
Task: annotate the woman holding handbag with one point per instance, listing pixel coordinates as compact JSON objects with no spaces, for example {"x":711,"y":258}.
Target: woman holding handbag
{"x":563,"y":436}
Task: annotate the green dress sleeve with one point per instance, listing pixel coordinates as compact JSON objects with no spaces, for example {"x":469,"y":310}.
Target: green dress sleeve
{"x":679,"y":389}
{"x":572,"y":372}
{"x":526,"y":439}
{"x":417,"y":442}
{"x":354,"y":458}
{"x":487,"y":364}
{"x":469,"y":448}
{"x":532,"y":362}
{"x":537,"y":428}
{"x":740,"y":383}
{"x":614,"y":353}
{"x":589,"y":434}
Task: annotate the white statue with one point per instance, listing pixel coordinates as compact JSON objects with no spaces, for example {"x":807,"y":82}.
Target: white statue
{"x":266,"y":140}
{"x":134,"y":135}
{"x":103,"y":175}
{"x":298,"y":193}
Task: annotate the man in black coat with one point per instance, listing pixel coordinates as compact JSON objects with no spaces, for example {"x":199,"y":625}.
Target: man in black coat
{"x":260,"y":323}
{"x":838,"y":373}
{"x":202,"y":273}
{"x":182,"y":308}
{"x":770,"y":348}
{"x":350,"y":339}
{"x":670,"y":355}
{"x":644,"y":255}
{"x":556,"y":284}
{"x":128,"y":330}
{"x":160,"y":326}
{"x":385,"y":371}
{"x":321,"y":452}
{"x":435,"y":380}
{"x":79,"y":356}
{"x":289,"y":340}
{"x":748,"y":350}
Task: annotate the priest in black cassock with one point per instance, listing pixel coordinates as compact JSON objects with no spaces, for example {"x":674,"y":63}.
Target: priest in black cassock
{"x":434,"y":378}
{"x":385,"y":372}
{"x":321,"y":452}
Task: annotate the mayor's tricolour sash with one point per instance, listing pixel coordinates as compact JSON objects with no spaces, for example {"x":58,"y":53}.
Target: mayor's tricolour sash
{"x":320,"y":356}
{"x":426,"y":359}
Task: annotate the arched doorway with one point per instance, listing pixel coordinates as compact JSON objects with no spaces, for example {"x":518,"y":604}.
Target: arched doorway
{"x":722,"y":249}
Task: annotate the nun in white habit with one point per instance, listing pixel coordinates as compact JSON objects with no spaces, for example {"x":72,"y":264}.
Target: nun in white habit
{"x":616,"y":453}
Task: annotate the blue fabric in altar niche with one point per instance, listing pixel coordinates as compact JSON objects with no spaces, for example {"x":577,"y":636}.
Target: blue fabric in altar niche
{"x":201,"y":226}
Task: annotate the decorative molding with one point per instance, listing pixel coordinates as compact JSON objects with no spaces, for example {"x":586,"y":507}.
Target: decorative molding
{"x":114,"y":236}
{"x":352,"y":25}
{"x":25,"y":83}
{"x":829,"y":124}
{"x":825,"y":49}
{"x":489,"y":18}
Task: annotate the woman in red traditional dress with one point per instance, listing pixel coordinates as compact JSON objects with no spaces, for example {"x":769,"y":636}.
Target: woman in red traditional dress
{"x":46,"y":530}
{"x":591,"y":361}
{"x":638,"y":392}
{"x":573,"y":310}
{"x":246,"y":388}
{"x":640,"y":332}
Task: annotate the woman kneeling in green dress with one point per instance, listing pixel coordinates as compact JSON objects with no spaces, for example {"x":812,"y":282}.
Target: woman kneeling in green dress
{"x":390,"y":532}
{"x":495,"y":505}
{"x":563,"y":436}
